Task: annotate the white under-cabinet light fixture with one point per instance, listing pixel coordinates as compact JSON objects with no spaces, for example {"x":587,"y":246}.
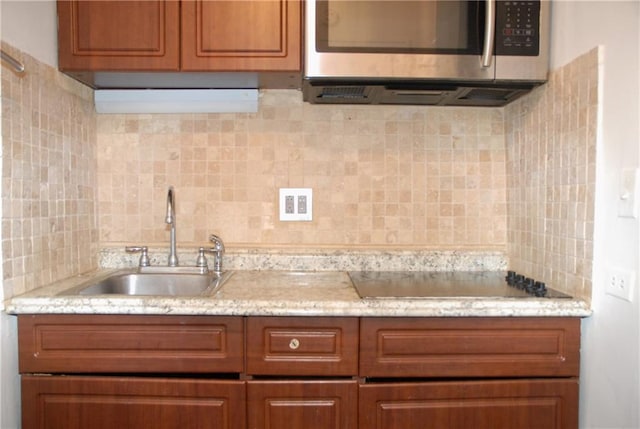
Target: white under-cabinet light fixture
{"x":176,"y":100}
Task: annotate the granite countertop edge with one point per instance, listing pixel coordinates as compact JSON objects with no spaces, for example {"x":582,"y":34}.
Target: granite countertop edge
{"x":281,"y":293}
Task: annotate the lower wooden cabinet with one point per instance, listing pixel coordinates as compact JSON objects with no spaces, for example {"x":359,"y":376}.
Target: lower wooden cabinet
{"x":482,"y":404}
{"x":198,"y":372}
{"x":302,"y":404}
{"x":90,"y":402}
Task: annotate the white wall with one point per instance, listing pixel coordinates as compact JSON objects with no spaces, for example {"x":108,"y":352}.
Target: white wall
{"x":610,"y":378}
{"x":32,"y":27}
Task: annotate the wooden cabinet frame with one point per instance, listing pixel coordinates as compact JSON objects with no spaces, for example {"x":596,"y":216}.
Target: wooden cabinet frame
{"x":179,"y":35}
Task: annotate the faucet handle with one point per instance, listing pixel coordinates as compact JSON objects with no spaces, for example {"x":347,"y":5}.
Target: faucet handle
{"x":217,"y":250}
{"x":201,"y":260}
{"x":144,"y":254}
{"x":218,"y":244}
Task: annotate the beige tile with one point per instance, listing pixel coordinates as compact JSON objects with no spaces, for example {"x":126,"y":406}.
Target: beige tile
{"x":348,"y":155}
{"x":49,"y":227}
{"x":550,"y":180}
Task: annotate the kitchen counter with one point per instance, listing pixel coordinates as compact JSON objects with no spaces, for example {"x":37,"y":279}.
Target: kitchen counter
{"x":286,"y":293}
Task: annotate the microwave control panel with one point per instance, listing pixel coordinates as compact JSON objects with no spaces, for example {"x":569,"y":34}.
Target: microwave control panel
{"x":518,"y":28}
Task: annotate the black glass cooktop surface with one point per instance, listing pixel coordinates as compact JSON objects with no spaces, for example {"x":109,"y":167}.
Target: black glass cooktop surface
{"x":436,"y":284}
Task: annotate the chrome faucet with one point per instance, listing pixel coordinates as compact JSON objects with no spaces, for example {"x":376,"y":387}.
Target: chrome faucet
{"x":171,"y":220}
{"x":218,"y":251}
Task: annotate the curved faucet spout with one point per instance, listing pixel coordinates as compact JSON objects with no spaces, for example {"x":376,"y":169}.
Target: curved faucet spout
{"x":171,"y":220}
{"x":170,"y":206}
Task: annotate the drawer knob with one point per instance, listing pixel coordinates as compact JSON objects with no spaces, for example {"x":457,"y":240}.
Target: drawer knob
{"x":294,"y":344}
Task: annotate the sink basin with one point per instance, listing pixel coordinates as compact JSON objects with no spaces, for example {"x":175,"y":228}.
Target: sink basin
{"x":164,"y":284}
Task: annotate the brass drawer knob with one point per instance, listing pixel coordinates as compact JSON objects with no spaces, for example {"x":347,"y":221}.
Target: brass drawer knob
{"x":294,"y":344}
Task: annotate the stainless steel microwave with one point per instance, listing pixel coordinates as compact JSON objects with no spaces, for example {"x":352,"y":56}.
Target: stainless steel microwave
{"x":431,"y":52}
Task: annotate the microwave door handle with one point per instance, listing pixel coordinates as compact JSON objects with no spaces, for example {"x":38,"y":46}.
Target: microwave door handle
{"x":489,"y":33}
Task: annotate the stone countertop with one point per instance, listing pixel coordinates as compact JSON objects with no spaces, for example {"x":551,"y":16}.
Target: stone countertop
{"x":286,"y":293}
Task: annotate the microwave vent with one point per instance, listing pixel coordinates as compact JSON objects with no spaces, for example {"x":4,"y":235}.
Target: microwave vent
{"x":424,"y":93}
{"x":489,"y":94}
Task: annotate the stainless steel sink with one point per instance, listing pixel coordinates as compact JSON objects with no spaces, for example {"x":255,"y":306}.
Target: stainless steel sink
{"x":162,"y":284}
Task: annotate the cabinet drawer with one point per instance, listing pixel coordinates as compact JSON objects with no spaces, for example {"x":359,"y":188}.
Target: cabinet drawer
{"x":468,"y":347}
{"x":302,"y":346}
{"x":488,"y":404}
{"x":130,"y":344}
{"x":297,"y":404}
{"x":77,"y":402}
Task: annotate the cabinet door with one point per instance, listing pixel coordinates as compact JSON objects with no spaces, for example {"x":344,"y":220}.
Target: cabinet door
{"x":118,"y":35}
{"x":302,"y":404}
{"x":75,"y":343}
{"x":506,"y":404}
{"x":248,"y":35}
{"x":131,"y":403}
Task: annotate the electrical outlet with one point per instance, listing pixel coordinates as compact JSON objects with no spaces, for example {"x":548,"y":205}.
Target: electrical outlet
{"x":289,"y":205}
{"x":621,"y":283}
{"x":296,"y":204}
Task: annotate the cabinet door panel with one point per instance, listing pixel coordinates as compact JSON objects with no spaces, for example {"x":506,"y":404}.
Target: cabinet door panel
{"x":296,"y":404}
{"x":323,"y":346}
{"x":469,"y":347}
{"x":259,"y":35}
{"x":508,"y":404}
{"x":131,"y":403}
{"x":130,"y":344}
{"x":118,"y":35}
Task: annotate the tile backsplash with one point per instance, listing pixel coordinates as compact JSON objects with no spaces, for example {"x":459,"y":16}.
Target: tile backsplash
{"x":49,"y":187}
{"x":551,"y":165}
{"x":517,"y":181}
{"x":382,"y":176}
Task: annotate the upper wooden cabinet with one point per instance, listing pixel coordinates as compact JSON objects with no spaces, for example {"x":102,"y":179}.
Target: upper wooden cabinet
{"x":187,"y":35}
{"x":262,"y":35}
{"x":119,"y":35}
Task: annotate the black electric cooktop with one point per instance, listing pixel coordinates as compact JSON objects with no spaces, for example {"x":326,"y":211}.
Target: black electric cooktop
{"x":436,"y":284}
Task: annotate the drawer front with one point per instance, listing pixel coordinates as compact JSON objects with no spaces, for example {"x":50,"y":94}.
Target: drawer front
{"x":130,"y":344}
{"x":296,"y":404}
{"x":302,"y":346}
{"x":503,"y":404}
{"x":77,"y":402}
{"x":468,"y":347}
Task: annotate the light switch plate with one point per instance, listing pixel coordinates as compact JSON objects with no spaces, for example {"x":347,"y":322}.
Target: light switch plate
{"x":296,"y":204}
{"x":628,"y":193}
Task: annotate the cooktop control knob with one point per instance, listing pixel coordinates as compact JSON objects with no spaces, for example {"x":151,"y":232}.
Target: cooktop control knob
{"x":529,"y":285}
{"x":539,"y":289}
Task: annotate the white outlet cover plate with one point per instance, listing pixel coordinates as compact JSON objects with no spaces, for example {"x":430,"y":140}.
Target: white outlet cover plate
{"x":296,"y":215}
{"x":621,"y":283}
